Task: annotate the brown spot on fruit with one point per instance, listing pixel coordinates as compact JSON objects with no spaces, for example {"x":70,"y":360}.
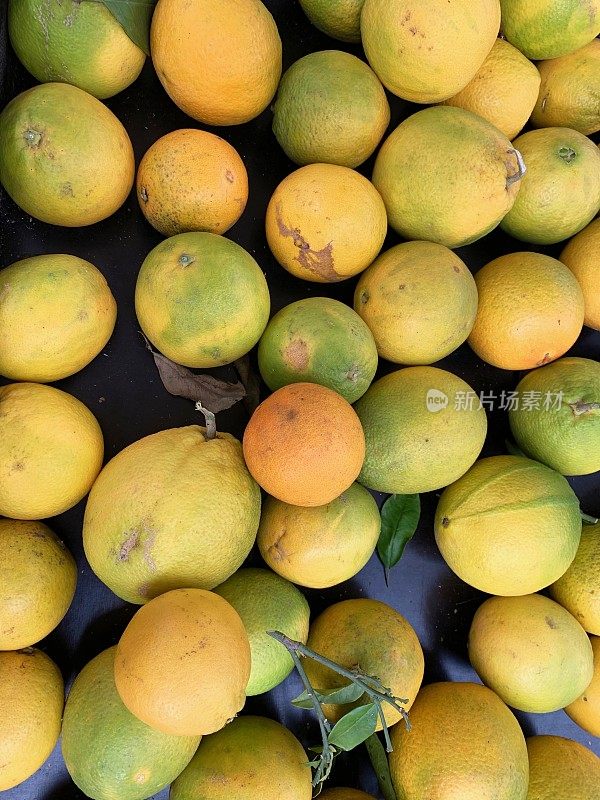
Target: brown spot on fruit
{"x":320,"y":262}
{"x":551,"y":623}
{"x":543,"y":360}
{"x":296,"y":355}
{"x":128,"y":545}
{"x":229,"y":176}
{"x":445,"y":522}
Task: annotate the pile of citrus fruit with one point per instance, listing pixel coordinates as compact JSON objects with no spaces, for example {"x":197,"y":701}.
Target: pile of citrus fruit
{"x":220,"y":539}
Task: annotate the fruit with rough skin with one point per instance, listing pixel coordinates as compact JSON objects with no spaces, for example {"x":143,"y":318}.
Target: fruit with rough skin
{"x":422,"y":432}
{"x":474,"y":751}
{"x":419,"y":300}
{"x":509,"y":526}
{"x":339,"y":19}
{"x":330,"y":109}
{"x":38,"y":576}
{"x":318,"y":340}
{"x":304,"y":444}
{"x":578,"y":589}
{"x":235,"y":49}
{"x":585,"y":711}
{"x":64,"y":156}
{"x":530,"y":312}
{"x":183,"y":662}
{"x":31,"y":699}
{"x":191,"y":180}
{"x":428,"y":51}
{"x":51,"y":451}
{"x":560,"y":767}
{"x":447,"y":176}
{"x":108,"y":752}
{"x":321,"y":546}
{"x":531,"y":652}
{"x":355,"y":230}
{"x":582,"y":257}
{"x":343,"y":633}
{"x":172,"y":510}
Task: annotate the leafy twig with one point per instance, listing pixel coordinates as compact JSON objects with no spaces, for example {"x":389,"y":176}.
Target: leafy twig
{"x":380,"y":765}
{"x":359,"y":723}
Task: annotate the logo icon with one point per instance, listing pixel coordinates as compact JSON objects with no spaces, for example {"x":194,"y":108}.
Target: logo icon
{"x":436,"y":400}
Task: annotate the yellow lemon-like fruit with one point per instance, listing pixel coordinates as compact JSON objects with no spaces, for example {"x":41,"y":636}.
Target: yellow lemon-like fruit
{"x":183,"y":663}
{"x":192,"y":180}
{"x":56,"y":314}
{"x":585,"y":711}
{"x":582,"y":257}
{"x":504,"y":90}
{"x":219,"y":62}
{"x":561,"y":768}
{"x":31,"y":699}
{"x":51,"y":450}
{"x":325,"y":223}
{"x":578,"y":589}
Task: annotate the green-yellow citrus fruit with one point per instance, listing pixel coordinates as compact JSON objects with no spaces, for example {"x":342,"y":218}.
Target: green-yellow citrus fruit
{"x":582,"y":257}
{"x":578,"y":589}
{"x":585,"y":711}
{"x":561,"y":768}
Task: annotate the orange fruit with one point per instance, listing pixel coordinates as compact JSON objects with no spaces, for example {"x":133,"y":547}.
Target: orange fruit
{"x":325,"y":223}
{"x":465,"y":744}
{"x":304,"y":444}
{"x":374,"y":636}
{"x":582,"y":257}
{"x":531,"y":311}
{"x":192,"y":180}
{"x":585,"y":711}
{"x":561,"y":768}
{"x":219,"y":62}
{"x":504,"y":90}
{"x":183,"y":663}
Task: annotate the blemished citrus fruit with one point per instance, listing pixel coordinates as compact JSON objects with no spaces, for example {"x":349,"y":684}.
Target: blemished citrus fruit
{"x":475,"y":750}
{"x":427,"y":52}
{"x":447,"y":176}
{"x":318,"y":340}
{"x":343,"y":793}
{"x":183,"y":662}
{"x":31,"y":697}
{"x":582,"y":257}
{"x":339,"y":19}
{"x":561,"y":428}
{"x":569,"y":94}
{"x":191,"y":180}
{"x":560,"y":767}
{"x":253,"y":757}
{"x":585,"y":711}
{"x":530,"y":312}
{"x":504,"y":90}
{"x":51,"y":450}
{"x":374,"y":636}
{"x":509,"y":526}
{"x":423,"y":430}
{"x":419,"y":300}
{"x":550,"y":28}
{"x":331,"y":109}
{"x":531,"y":652}
{"x":76,"y":42}
{"x":37,"y":582}
{"x":560,"y":192}
{"x":267,"y":602}
{"x":64,"y":156}
{"x":56,"y":314}
{"x":235,"y":47}
{"x":201,"y":299}
{"x":325,"y":223}
{"x":108,"y":752}
{"x":578,"y":589}
{"x":172,"y":510}
{"x":304,"y":444}
{"x":321,"y":546}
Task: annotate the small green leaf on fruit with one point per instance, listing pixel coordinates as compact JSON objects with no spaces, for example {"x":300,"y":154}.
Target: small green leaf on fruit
{"x":354,"y":727}
{"x":399,"y":520}
{"x":134,"y":16}
{"x":338,"y":696}
{"x":381,"y":766}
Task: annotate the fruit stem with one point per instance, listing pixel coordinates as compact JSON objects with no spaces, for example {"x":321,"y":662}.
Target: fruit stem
{"x":521,"y":168}
{"x":580,"y":407}
{"x":210,"y":420}
{"x":590,"y":520}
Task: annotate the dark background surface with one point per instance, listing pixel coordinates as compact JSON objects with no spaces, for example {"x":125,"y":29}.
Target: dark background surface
{"x":123,"y":390}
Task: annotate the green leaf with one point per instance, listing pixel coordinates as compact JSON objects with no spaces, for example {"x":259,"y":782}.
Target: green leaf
{"x":134,"y":16}
{"x":354,"y":727}
{"x":381,"y":766}
{"x":513,"y":449}
{"x":399,"y":519}
{"x":339,"y":696}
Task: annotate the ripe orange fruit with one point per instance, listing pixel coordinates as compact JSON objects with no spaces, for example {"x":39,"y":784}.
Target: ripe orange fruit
{"x":304,"y":444}
{"x":219,"y":62}
{"x":531,"y":311}
{"x":585,"y":711}
{"x":582,"y":257}
{"x":183,"y":663}
{"x":561,"y":768}
{"x":191,"y":180}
